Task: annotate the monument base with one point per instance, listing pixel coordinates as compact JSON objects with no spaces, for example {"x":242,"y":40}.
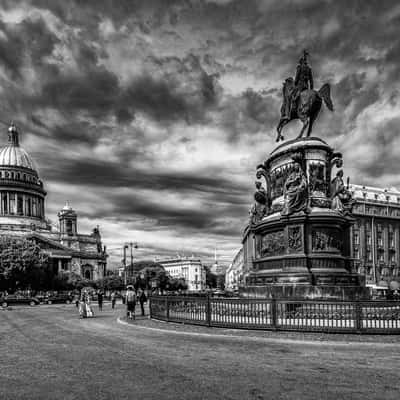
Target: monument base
{"x":305,"y":292}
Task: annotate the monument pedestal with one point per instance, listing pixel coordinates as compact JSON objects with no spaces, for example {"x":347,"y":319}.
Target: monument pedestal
{"x":301,"y":246}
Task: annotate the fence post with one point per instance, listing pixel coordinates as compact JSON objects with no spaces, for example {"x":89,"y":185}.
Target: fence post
{"x":274,"y":312}
{"x":167,"y":308}
{"x":208,"y":310}
{"x":150,"y":307}
{"x":358,"y":316}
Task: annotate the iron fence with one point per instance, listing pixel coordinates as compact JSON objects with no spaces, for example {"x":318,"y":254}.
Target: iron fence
{"x":280,"y":314}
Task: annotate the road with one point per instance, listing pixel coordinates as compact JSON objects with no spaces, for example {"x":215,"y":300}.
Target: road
{"x":47,"y":352}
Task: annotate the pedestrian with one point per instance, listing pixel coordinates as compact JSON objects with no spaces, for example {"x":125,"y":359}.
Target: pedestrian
{"x":100,"y":300}
{"x":77,"y":300}
{"x":130,"y":302}
{"x":85,"y":310}
{"x":142,"y":300}
{"x":113,"y":299}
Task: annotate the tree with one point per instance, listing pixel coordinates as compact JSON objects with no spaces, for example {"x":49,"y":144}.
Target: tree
{"x":154,"y":272}
{"x":111,"y":282}
{"x":22,"y":264}
{"x":78,"y":282}
{"x":211,"y":279}
{"x":177,"y":284}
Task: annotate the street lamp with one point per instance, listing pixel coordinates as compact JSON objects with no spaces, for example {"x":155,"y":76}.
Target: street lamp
{"x":126,"y":246}
{"x":125,"y":277}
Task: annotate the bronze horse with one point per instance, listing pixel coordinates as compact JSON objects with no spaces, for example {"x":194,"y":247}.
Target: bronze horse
{"x":306,"y":108}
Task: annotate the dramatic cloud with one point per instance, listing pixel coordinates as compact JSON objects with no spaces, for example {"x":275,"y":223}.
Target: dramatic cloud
{"x":150,"y":116}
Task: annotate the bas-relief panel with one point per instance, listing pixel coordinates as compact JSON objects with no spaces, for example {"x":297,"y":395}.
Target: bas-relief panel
{"x":295,"y":238}
{"x":278,"y":177}
{"x":326,"y":239}
{"x":316,"y":178}
{"x":271,"y":244}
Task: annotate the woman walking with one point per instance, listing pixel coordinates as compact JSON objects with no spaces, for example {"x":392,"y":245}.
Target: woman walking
{"x":85,"y":311}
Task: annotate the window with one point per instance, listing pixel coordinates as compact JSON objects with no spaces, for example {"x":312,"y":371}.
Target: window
{"x":29,"y":206}
{"x":4,"y":202}
{"x":34,"y":207}
{"x":20,"y":205}
{"x":68,"y":226}
{"x":368,"y":238}
{"x":356,"y":253}
{"x":368,"y":255}
{"x":381,"y":256}
{"x":12,"y":203}
{"x":380,"y":239}
{"x":356,"y":238}
{"x":391,"y":239}
{"x":393,"y":257}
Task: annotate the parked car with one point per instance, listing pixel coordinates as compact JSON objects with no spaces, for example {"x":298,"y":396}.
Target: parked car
{"x":59,"y":298}
{"x":13,"y":299}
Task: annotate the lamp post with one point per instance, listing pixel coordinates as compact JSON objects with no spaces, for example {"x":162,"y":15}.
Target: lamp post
{"x":125,"y":272}
{"x":126,"y":246}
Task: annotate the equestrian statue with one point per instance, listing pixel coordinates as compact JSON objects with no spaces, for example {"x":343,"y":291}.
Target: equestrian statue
{"x":300,"y":100}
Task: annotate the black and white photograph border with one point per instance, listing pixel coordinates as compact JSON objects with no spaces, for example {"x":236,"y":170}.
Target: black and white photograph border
{"x":199,"y":199}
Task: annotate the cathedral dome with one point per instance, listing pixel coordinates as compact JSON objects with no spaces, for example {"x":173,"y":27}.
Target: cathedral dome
{"x":22,"y":195}
{"x":13,"y":155}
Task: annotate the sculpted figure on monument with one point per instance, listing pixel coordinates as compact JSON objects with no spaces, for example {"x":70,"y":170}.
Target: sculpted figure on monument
{"x":260,"y":207}
{"x":300,"y":100}
{"x":340,"y":195}
{"x":295,"y":191}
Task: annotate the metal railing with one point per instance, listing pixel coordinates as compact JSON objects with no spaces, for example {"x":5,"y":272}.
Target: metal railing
{"x":374,"y":316}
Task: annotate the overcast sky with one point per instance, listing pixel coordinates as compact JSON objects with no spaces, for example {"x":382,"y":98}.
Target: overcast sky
{"x":151,"y":116}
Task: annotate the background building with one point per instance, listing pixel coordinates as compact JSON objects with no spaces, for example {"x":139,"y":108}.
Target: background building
{"x":376,"y":235}
{"x":234,"y":273}
{"x":189,"y":269}
{"x":22,"y":214}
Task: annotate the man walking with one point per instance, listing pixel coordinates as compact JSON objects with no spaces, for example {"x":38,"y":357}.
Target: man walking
{"x":113,"y":299}
{"x":142,"y":300}
{"x":100,"y":300}
{"x":130,"y":302}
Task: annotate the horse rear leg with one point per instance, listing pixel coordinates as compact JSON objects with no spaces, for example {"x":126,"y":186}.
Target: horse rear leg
{"x":305,"y":124}
{"x":314,"y":114}
{"x":281,"y":124}
{"x":310,"y":125}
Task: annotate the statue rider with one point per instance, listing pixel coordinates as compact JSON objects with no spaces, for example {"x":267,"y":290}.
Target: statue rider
{"x":302,"y":81}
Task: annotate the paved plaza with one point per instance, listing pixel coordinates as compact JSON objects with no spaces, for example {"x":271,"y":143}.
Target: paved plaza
{"x":47,"y":352}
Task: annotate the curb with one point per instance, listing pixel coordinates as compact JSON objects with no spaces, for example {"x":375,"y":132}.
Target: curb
{"x":258,"y":338}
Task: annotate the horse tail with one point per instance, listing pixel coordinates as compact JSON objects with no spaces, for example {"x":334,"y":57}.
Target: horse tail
{"x":325,"y":93}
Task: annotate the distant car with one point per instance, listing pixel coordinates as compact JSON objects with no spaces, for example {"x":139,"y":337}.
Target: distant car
{"x":12,"y":299}
{"x":59,"y":298}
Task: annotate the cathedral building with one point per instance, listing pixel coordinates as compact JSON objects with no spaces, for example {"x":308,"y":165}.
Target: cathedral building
{"x":22,"y":214}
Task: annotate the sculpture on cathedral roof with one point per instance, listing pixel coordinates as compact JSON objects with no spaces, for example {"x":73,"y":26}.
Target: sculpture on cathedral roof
{"x":300,"y":100}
